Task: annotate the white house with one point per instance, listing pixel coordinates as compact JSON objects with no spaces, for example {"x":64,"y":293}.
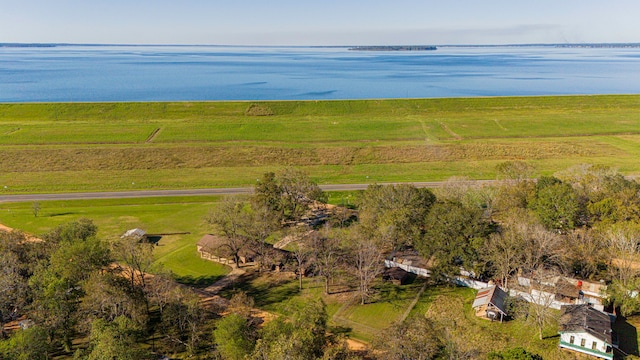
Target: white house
{"x":586,"y":330}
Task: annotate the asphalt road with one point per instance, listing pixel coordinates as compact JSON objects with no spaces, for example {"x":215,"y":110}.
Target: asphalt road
{"x":194,"y":192}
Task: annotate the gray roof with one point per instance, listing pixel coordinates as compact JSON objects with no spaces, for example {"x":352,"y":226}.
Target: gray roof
{"x":137,"y":233}
{"x":584,"y":318}
{"x":491,"y":295}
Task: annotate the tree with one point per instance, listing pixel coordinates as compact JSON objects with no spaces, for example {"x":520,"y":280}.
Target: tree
{"x":57,"y":282}
{"x":395,"y":213}
{"x":298,"y":192}
{"x":14,"y":289}
{"x":35,"y":208}
{"x":303,"y":336}
{"x":183,"y":318}
{"x":542,"y":294}
{"x":366,"y":260}
{"x":234,"y":338}
{"x":160,"y":289}
{"x":268,"y":193}
{"x":586,"y":252}
{"x":301,"y":251}
{"x":135,"y":260}
{"x":503,"y":251}
{"x":28,"y":344}
{"x":522,"y":243}
{"x":108,"y":296}
{"x":115,"y":340}
{"x":257,"y":225}
{"x":556,"y":204}
{"x":415,"y":339}
{"x":453,"y":236}
{"x":328,"y":255}
{"x":229,"y":219}
{"x":82,"y":229}
{"x":624,"y":247}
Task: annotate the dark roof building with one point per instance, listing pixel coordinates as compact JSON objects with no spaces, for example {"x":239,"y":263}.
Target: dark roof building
{"x":396,"y":276}
{"x":490,"y":303}
{"x":586,"y":330}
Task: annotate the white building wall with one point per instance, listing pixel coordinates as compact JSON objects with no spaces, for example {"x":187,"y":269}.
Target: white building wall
{"x":408,"y":268}
{"x":589,"y":339}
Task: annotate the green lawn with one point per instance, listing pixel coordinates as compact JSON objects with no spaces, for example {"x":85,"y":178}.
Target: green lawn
{"x":130,"y":146}
{"x":113,"y":217}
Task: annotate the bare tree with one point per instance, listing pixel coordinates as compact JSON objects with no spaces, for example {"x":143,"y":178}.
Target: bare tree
{"x":229,"y":218}
{"x":367,"y":261}
{"x":136,"y":256}
{"x":624,"y":246}
{"x":160,"y":287}
{"x":302,"y":252}
{"x":36,"y":208}
{"x":504,"y":253}
{"x":258,"y":225}
{"x":327,"y":255}
{"x":541,"y":248}
{"x":585,"y":251}
{"x":542,"y":293}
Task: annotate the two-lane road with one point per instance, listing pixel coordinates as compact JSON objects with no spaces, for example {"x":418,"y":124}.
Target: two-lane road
{"x":193,"y":192}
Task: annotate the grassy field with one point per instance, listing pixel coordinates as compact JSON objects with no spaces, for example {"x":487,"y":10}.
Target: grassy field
{"x":113,"y":217}
{"x":129,"y":146}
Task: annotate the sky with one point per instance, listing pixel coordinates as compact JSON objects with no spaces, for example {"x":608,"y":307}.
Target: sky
{"x":326,"y":22}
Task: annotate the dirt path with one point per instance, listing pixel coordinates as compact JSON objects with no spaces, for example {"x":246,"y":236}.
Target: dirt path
{"x":413,"y":303}
{"x":29,"y":237}
{"x":226,"y":281}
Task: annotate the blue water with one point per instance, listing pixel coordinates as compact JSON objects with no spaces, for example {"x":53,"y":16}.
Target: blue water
{"x":163,"y":73}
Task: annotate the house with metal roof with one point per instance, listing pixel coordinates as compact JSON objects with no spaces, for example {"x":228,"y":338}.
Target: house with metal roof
{"x":586,"y":330}
{"x":490,"y":303}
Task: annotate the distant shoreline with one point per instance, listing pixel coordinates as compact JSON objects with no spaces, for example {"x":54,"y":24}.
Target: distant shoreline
{"x":395,"y":48}
{"x":350,"y":47}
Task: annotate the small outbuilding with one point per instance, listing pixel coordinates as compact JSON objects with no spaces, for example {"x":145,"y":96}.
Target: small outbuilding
{"x":396,"y":276}
{"x":135,"y":233}
{"x":586,"y":330}
{"x":490,"y":303}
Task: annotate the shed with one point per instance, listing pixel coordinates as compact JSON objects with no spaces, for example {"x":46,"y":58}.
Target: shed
{"x":134,"y":233}
{"x":490,"y":303}
{"x":396,"y":276}
{"x":586,"y":330}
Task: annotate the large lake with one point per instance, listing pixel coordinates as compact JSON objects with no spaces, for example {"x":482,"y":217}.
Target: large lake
{"x":163,"y":73}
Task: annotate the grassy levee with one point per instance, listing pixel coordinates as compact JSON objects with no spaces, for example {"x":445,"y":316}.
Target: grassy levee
{"x":127,"y":146}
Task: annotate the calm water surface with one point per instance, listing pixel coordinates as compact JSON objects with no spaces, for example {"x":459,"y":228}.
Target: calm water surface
{"x":164,"y":73}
